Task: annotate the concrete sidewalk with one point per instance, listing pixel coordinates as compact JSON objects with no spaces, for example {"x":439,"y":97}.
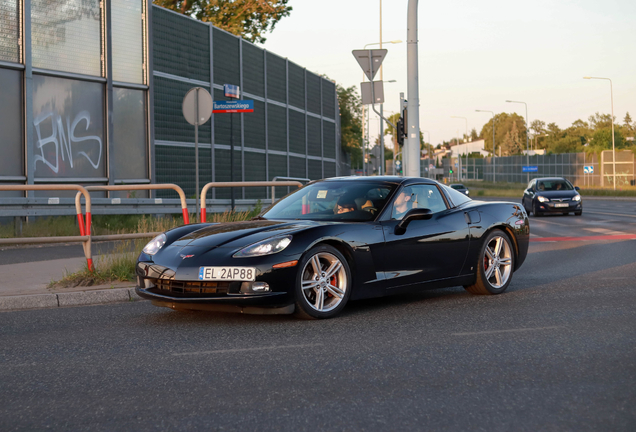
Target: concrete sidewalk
{"x":25,"y":286}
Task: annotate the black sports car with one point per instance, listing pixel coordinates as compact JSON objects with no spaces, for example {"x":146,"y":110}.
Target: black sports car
{"x":337,"y":240}
{"x":552,"y":195}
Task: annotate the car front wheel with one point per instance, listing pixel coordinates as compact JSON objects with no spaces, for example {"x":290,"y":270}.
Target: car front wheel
{"x":494,"y":266}
{"x":323,"y":283}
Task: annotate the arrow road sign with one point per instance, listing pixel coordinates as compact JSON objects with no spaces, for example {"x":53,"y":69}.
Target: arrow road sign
{"x":372,"y":67}
{"x":588,"y":169}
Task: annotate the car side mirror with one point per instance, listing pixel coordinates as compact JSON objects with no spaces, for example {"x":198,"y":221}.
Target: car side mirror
{"x":577,"y":188}
{"x":413,"y":214}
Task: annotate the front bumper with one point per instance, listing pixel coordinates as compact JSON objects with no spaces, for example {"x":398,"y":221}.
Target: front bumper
{"x":164,"y":287}
{"x":550,"y":207}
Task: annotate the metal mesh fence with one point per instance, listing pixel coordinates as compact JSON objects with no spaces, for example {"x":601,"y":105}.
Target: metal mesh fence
{"x":579,"y":168}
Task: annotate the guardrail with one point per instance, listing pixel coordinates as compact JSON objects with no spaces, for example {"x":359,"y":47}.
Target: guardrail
{"x":84,"y":225}
{"x":184,"y":205}
{"x":273,"y":184}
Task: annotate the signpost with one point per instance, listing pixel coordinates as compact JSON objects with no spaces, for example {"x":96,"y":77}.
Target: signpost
{"x":197,"y":109}
{"x":372,"y":92}
{"x":231,"y":107}
{"x":529,"y":169}
{"x":587,"y":169}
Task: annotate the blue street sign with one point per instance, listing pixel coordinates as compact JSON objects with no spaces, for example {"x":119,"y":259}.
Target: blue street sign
{"x":231,"y":91}
{"x":588,"y":169}
{"x":530,"y":169}
{"x":237,"y":106}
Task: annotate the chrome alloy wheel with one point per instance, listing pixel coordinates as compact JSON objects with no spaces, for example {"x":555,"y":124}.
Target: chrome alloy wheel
{"x":498,"y":262}
{"x":324,"y":282}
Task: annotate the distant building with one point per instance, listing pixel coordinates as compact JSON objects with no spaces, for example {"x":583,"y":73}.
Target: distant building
{"x":471,"y":147}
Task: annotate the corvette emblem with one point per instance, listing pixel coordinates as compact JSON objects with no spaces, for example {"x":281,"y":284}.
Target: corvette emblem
{"x":185,"y":256}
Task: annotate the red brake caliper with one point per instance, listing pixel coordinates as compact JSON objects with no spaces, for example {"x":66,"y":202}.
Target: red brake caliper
{"x":333,"y":282}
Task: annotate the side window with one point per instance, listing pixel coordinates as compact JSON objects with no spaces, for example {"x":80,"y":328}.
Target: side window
{"x":417,"y":196}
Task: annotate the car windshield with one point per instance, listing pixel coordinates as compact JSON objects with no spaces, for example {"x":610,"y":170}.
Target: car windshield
{"x":333,"y":201}
{"x":457,"y":186}
{"x":554,"y":185}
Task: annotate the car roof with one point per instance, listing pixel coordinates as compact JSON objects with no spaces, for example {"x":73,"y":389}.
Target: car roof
{"x":550,"y":178}
{"x":457,"y":184}
{"x":395,"y":180}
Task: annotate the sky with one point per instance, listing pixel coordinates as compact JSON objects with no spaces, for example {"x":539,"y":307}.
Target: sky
{"x":476,"y":55}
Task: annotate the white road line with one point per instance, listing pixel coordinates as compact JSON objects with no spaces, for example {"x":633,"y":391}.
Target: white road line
{"x":504,"y":331}
{"x":245,"y":349}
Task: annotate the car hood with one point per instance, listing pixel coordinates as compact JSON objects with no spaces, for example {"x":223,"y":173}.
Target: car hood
{"x":244,"y":233}
{"x":558,"y":194}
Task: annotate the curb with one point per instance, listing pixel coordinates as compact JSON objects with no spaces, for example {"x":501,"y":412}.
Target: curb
{"x":79,"y":298}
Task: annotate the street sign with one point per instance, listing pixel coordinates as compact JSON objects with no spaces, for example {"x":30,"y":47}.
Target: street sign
{"x":378,"y":92}
{"x":455,"y":164}
{"x":529,"y":169}
{"x":588,"y":169}
{"x":238,"y":106}
{"x":370,"y":68}
{"x":189,"y":106}
{"x":231,"y":91}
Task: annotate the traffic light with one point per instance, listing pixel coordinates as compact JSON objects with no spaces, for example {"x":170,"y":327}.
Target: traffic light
{"x":450,"y":170}
{"x":400,"y":132}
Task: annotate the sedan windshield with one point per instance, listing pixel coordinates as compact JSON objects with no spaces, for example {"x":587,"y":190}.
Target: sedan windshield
{"x":554,"y":185}
{"x":333,"y":201}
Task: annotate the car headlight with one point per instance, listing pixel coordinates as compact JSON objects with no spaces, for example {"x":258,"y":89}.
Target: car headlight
{"x":542,"y":199}
{"x":155,"y":244}
{"x":265,"y":247}
{"x":467,"y":192}
{"x":576,"y":198}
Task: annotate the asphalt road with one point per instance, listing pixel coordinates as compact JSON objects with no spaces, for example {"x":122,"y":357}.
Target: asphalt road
{"x":557,"y":351}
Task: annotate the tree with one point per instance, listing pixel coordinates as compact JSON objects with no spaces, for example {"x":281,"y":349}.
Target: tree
{"x":473,"y":135}
{"x":602,"y":139}
{"x":600,"y":121}
{"x":512,"y":144}
{"x":350,"y":123}
{"x":537,"y":127}
{"x":249,"y":19}
{"x":503,"y":124}
{"x":629,"y":127}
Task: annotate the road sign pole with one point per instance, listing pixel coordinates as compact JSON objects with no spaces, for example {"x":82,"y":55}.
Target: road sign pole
{"x":232,"y":157}
{"x":196,"y":150}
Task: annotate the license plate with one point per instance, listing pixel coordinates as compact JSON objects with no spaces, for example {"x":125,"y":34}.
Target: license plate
{"x":561,"y":205}
{"x":227,"y":273}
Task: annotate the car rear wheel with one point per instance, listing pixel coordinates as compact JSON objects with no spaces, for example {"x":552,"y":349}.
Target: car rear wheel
{"x":323,"y":283}
{"x":494,"y":266}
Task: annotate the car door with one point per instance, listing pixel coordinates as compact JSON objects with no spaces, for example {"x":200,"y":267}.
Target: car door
{"x":430,"y":249}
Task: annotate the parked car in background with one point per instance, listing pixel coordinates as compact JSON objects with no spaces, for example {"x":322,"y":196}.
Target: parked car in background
{"x":552,"y":195}
{"x":461,"y":188}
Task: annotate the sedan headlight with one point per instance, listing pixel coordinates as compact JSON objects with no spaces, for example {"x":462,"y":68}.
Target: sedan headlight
{"x":265,"y":247}
{"x":155,"y":244}
{"x":542,"y":199}
{"x":576,"y":198}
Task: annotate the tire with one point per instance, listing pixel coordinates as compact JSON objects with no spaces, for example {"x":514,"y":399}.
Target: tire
{"x":535,"y":210}
{"x":324,"y":293}
{"x":578,"y":213}
{"x":489,"y":279}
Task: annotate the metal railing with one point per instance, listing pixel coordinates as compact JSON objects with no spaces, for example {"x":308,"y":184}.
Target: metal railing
{"x":273,"y":184}
{"x":184,"y":205}
{"x":84,"y":224}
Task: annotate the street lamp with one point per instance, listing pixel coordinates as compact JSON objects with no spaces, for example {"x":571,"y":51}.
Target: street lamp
{"x":494,"y":173}
{"x":460,"y":158}
{"x":613,"y":146}
{"x":381,"y":105}
{"x":527,"y":126}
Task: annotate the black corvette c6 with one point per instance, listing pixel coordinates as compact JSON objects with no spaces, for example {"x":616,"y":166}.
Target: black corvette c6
{"x":337,"y":240}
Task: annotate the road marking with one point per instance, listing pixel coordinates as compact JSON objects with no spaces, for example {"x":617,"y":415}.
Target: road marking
{"x":245,"y":349}
{"x":604,"y":231}
{"x":504,"y":331}
{"x":612,"y":214}
{"x":586,"y":238}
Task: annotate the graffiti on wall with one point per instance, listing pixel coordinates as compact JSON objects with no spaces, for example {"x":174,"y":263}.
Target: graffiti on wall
{"x":65,"y":141}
